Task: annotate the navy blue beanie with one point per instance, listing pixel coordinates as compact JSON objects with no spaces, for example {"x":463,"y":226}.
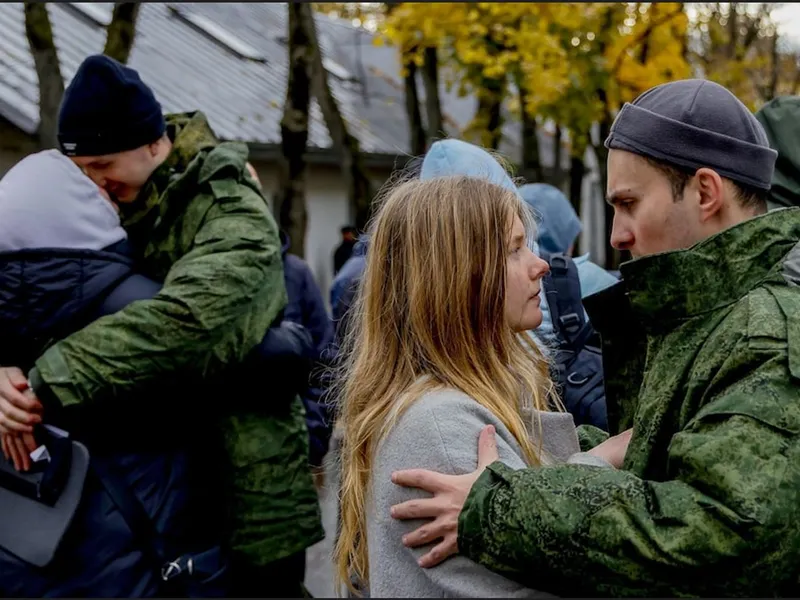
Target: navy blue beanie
{"x":107,"y":109}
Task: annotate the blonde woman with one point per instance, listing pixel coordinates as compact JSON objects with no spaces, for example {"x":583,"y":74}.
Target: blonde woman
{"x":433,"y":357}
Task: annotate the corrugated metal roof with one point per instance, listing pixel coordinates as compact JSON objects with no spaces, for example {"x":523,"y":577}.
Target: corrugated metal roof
{"x":242,"y":98}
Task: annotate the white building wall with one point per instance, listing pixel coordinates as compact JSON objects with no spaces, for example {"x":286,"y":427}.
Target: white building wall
{"x":328,"y":211}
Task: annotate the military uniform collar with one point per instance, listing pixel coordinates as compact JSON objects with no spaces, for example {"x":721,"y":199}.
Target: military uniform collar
{"x":714,"y":273}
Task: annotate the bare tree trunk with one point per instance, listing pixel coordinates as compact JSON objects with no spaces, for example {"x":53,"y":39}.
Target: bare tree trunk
{"x":685,"y":39}
{"x":613,"y":255}
{"x":775,"y":59}
{"x":493,"y":111}
{"x":531,"y":156}
{"x":733,"y":30}
{"x":488,"y":118}
{"x":433,"y":105}
{"x":358,"y":184}
{"x":416,"y":130}
{"x":413,"y":114}
{"x":45,"y":57}
{"x":121,"y":31}
{"x":606,"y":32}
{"x":577,"y":171}
{"x":557,"y":176}
{"x":294,"y":135}
{"x":796,"y":82}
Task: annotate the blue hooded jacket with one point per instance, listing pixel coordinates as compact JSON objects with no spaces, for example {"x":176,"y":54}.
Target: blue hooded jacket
{"x":559,"y":227}
{"x":307,"y":308}
{"x":347,"y":276}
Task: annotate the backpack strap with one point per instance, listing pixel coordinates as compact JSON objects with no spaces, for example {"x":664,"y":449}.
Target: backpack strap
{"x":564,"y":301}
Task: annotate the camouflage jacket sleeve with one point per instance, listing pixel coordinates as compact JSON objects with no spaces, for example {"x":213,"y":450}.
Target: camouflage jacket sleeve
{"x":725,"y":523}
{"x":590,"y":437}
{"x":217,"y":302}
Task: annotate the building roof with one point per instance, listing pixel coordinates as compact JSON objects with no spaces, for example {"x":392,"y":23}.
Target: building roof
{"x":230,"y":61}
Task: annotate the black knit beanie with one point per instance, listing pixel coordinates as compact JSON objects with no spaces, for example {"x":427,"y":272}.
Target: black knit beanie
{"x":107,"y":109}
{"x":694,"y":123}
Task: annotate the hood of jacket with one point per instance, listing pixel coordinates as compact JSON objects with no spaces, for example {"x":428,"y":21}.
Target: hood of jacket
{"x":47,"y":201}
{"x":558,"y":222}
{"x":456,"y":157}
{"x":781,"y":121}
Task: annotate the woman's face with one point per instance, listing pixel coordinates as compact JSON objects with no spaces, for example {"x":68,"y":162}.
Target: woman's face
{"x":523,"y":281}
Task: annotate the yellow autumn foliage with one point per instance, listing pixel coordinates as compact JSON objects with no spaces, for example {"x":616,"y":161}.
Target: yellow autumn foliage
{"x":577,"y":63}
{"x":557,"y":52}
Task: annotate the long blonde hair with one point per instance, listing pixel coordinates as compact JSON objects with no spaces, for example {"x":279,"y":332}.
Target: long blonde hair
{"x":430,"y":313}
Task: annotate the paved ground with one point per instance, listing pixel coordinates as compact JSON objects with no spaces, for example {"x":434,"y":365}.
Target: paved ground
{"x":319,"y":568}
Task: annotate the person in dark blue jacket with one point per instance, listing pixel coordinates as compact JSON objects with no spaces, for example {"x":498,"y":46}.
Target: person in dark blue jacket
{"x":307,"y":308}
{"x":64,"y":262}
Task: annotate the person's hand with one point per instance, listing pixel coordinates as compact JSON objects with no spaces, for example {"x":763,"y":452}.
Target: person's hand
{"x":613,"y":450}
{"x":17,"y":448}
{"x":20,"y":410}
{"x":449,"y":494}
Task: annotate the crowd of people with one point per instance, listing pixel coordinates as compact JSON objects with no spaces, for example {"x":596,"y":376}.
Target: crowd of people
{"x":499,"y":417}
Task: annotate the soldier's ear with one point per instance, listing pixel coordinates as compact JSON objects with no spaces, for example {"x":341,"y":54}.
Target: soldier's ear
{"x":155,"y":147}
{"x":711,"y":193}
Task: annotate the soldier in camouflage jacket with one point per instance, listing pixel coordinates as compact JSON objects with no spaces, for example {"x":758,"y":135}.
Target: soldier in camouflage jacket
{"x":701,"y":357}
{"x":200,"y":225}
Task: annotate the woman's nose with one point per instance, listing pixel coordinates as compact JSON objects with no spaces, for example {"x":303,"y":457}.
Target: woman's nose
{"x":540,"y":267}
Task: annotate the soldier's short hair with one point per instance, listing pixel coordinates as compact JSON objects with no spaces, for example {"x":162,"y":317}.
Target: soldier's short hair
{"x":747,"y":196}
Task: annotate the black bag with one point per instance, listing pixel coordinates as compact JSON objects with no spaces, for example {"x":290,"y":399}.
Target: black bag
{"x":37,"y":506}
{"x":578,"y":358}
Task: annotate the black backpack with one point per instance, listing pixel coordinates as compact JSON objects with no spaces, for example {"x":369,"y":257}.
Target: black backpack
{"x":578,"y":364}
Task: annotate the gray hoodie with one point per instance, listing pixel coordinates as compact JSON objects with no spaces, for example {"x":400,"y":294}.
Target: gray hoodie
{"x":46,"y":201}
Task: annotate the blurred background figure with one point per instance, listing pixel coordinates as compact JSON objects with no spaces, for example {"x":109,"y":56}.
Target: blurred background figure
{"x":344,"y":250}
{"x":559,"y":228}
{"x":307,"y":307}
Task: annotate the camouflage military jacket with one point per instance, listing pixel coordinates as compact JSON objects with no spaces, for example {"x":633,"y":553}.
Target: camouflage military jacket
{"x":708,"y":501}
{"x":202,"y":226}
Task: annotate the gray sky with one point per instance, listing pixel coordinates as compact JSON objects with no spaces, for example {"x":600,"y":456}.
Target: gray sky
{"x":788,"y":19}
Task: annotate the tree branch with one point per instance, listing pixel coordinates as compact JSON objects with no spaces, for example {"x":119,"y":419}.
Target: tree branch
{"x":643,"y":36}
{"x":121,"y":31}
{"x":45,"y":57}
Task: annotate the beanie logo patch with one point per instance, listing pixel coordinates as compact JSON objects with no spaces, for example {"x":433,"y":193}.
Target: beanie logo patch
{"x":69,"y":146}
